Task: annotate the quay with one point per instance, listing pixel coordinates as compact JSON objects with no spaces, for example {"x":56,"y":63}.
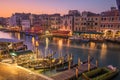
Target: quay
{"x":71,"y":73}
{"x":14,"y":72}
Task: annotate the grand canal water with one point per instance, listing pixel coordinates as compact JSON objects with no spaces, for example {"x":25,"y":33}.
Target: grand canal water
{"x":106,"y":53}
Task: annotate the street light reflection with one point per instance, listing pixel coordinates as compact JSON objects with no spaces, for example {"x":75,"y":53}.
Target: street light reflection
{"x":103,"y":51}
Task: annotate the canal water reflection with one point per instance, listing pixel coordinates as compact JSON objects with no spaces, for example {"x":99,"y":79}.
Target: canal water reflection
{"x":106,"y":53}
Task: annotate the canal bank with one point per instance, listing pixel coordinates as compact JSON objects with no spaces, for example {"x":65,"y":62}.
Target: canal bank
{"x":106,"y":53}
{"x":14,"y":72}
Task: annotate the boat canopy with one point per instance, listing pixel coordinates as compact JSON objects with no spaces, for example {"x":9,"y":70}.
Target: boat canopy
{"x":4,"y":40}
{"x":21,"y":53}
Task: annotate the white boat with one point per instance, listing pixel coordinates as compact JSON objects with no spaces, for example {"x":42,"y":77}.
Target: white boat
{"x":12,"y":44}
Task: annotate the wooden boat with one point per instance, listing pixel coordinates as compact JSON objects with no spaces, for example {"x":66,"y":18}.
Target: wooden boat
{"x":49,"y":67}
{"x":86,"y":61}
{"x":66,"y":68}
{"x":72,"y":66}
{"x":12,"y":44}
{"x":104,"y":73}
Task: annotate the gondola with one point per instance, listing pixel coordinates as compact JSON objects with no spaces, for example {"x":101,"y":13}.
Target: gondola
{"x":72,"y":66}
{"x":49,"y":67}
{"x":87,"y":60}
{"x":66,"y":68}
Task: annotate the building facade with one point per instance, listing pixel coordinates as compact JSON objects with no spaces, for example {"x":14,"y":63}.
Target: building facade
{"x":55,"y":21}
{"x":25,"y":24}
{"x":110,"y":23}
{"x":118,"y":4}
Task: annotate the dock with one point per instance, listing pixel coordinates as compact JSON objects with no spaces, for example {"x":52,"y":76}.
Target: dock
{"x":14,"y":72}
{"x":68,"y":74}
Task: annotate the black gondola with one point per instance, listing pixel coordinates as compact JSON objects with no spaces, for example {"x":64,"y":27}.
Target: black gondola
{"x":72,"y":66}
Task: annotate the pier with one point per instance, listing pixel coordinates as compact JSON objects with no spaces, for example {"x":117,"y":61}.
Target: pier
{"x":14,"y":72}
{"x":71,"y":73}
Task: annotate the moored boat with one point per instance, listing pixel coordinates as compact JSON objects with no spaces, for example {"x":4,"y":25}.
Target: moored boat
{"x":104,"y":73}
{"x":72,"y":66}
{"x":50,"y":66}
{"x":12,"y":44}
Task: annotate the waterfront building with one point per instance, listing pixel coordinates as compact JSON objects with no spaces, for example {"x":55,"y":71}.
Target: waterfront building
{"x":55,"y":21}
{"x":87,"y":22}
{"x":77,"y":23}
{"x":91,"y":23}
{"x":35,"y":20}
{"x":3,"y":21}
{"x":110,"y":23}
{"x":74,"y":12}
{"x":16,"y":19}
{"x":67,"y":22}
{"x":25,"y":24}
{"x":44,"y":21}
{"x":31,"y":17}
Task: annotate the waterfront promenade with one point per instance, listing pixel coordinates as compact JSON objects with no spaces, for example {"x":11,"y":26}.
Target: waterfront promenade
{"x":14,"y":72}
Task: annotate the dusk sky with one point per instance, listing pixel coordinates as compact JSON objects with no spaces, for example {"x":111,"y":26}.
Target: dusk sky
{"x":7,"y":7}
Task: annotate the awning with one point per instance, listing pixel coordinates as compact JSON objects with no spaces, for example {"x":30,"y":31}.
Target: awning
{"x":79,"y":32}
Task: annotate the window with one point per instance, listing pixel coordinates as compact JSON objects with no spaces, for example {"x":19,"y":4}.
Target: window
{"x":104,"y":18}
{"x":103,"y":25}
{"x":88,"y":24}
{"x":96,"y":18}
{"x":112,"y":19}
{"x":84,"y":23}
{"x":111,"y":26}
{"x":108,"y":26}
{"x":96,"y":24}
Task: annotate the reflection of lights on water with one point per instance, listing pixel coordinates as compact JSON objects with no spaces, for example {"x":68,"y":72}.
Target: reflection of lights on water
{"x":36,"y":43}
{"x":33,"y":41}
{"x":18,"y":36}
{"x":92,"y":45}
{"x":103,"y":50}
{"x":83,"y":46}
{"x":46,"y":46}
{"x":68,"y":43}
{"x":60,"y":43}
{"x":47,"y":43}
